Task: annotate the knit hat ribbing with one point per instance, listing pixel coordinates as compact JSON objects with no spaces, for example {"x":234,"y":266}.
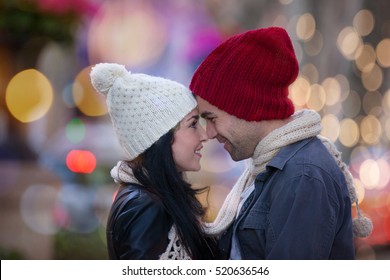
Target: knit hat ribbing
{"x":248,"y":75}
{"x":142,"y":108}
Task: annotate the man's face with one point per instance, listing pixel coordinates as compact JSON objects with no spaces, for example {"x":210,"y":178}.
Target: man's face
{"x":228,"y":130}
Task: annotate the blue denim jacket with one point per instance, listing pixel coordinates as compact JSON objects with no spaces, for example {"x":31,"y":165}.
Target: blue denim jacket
{"x":300,"y":209}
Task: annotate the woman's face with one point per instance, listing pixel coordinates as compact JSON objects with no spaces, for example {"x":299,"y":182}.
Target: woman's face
{"x":187,"y":143}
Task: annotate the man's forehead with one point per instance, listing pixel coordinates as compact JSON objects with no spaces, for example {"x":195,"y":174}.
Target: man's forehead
{"x":204,"y":106}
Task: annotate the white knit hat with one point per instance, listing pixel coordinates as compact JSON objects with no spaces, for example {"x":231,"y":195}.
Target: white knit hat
{"x":142,"y":108}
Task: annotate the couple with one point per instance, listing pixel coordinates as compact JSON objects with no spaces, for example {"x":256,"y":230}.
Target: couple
{"x":294,"y":199}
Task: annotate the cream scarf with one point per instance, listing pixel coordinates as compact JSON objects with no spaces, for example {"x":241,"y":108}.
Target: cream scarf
{"x":304,"y":124}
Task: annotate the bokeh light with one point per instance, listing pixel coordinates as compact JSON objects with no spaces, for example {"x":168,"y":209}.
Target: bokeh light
{"x":306,"y":27}
{"x":384,"y":170}
{"x":85,"y":97}
{"x":129,"y":32}
{"x":371,"y":130}
{"x":300,"y":91}
{"x":75,"y":130}
{"x":37,"y":208}
{"x":373,"y":79}
{"x":332,"y":91}
{"x":360,"y":191}
{"x":369,"y":173}
{"x":330,"y":127}
{"x":364,"y":22}
{"x":365,"y":58}
{"x":317,"y":97}
{"x":29,"y":95}
{"x":81,"y":161}
{"x":348,"y":42}
{"x":383,"y":53}
{"x":349,"y":133}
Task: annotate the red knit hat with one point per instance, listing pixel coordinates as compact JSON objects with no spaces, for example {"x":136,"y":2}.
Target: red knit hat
{"x":248,"y":75}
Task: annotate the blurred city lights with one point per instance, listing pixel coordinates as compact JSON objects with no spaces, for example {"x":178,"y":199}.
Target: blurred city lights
{"x":75,"y":130}
{"x":382,"y":52}
{"x":29,"y":95}
{"x":37,"y":208}
{"x":364,"y":22}
{"x":349,"y":132}
{"x":85,"y":97}
{"x":132,"y":33}
{"x":348,"y":42}
{"x":306,"y":27}
{"x":81,"y":161}
{"x":330,"y":127}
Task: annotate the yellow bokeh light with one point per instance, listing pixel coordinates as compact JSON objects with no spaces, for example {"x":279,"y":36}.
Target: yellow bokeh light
{"x":349,"y":133}
{"x":373,"y":80}
{"x":306,"y":27}
{"x":330,"y":127}
{"x":370,"y":130}
{"x":365,"y":60}
{"x":85,"y":97}
{"x":29,"y":95}
{"x":383,"y":53}
{"x":299,"y":91}
{"x":333,"y":91}
{"x":364,"y":22}
{"x":369,"y":173}
{"x":317,"y":97}
{"x":384,"y":169}
{"x":348,"y":42}
{"x":360,"y":191}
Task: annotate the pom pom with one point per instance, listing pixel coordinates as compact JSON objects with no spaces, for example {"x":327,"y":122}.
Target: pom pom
{"x":362,"y":227}
{"x":103,"y":76}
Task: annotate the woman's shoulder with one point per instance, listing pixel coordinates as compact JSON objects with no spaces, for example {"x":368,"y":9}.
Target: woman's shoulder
{"x":134,"y":198}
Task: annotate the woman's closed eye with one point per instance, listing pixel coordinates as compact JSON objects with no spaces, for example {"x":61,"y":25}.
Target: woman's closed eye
{"x":194,"y":124}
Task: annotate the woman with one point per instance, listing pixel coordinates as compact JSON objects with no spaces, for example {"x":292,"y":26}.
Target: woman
{"x":155,"y":214}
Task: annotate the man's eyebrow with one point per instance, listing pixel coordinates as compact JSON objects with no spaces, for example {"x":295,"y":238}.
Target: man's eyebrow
{"x":196,"y":117}
{"x":207,"y":115}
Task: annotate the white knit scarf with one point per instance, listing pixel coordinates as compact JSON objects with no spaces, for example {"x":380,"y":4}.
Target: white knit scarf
{"x":304,"y":124}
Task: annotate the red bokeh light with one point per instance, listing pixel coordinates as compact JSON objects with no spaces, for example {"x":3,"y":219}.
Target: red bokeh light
{"x":81,"y":161}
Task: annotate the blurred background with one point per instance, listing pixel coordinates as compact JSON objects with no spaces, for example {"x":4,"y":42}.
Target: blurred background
{"x":57,"y":145}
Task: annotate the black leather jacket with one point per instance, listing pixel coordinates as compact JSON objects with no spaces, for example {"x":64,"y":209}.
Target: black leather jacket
{"x":137,"y":226}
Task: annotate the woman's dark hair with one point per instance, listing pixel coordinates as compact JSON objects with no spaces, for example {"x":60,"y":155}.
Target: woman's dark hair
{"x":155,"y":169}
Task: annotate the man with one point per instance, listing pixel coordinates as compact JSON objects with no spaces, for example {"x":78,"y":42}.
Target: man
{"x":294,"y":199}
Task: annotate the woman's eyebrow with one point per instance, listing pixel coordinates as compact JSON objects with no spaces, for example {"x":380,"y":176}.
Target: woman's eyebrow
{"x":196,"y":117}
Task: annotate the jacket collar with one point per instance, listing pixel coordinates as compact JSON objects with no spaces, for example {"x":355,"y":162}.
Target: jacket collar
{"x":284,"y":155}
